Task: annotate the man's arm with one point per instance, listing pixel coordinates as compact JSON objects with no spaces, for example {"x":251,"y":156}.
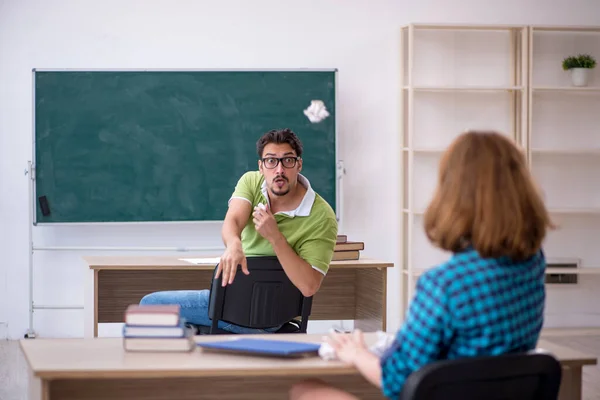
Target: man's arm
{"x":235,"y":220}
{"x":302,"y":274}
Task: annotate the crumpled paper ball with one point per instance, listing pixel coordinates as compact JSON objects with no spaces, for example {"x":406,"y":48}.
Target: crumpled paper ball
{"x":317,"y":111}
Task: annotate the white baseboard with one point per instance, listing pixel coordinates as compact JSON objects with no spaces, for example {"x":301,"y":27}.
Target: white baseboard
{"x":316,"y":327}
{"x":560,"y":322}
{"x":572,"y":320}
{"x":325,"y":326}
{"x":570,"y":332}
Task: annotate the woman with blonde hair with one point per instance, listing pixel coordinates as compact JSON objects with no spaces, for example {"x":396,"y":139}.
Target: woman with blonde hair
{"x":488,"y":298}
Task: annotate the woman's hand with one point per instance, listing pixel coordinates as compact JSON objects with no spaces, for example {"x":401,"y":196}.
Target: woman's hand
{"x":348,"y":347}
{"x":351,"y":349}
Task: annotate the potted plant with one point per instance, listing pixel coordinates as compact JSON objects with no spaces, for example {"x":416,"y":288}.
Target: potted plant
{"x":580,"y":67}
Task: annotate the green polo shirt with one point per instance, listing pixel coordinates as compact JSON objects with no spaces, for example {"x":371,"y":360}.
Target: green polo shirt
{"x":311,"y":229}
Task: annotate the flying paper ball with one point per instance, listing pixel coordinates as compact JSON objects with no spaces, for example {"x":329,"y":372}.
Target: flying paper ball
{"x":316,"y":112}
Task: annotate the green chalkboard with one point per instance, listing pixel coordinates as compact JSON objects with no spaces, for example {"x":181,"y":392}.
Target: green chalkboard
{"x":133,"y":146}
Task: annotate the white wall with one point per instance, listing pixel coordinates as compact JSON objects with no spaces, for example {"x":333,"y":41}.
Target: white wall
{"x":360,"y":38}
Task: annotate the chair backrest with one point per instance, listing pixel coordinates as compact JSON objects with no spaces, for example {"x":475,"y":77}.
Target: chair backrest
{"x":533,"y":375}
{"x":265,"y":298}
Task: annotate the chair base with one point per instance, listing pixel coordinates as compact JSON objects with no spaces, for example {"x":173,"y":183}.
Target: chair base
{"x":289,"y":327}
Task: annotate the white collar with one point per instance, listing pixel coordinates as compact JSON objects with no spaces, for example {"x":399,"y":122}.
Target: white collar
{"x":305,"y":205}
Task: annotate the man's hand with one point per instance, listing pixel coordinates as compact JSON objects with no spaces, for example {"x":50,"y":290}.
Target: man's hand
{"x":231,"y":258}
{"x":348,"y":347}
{"x":265,"y":223}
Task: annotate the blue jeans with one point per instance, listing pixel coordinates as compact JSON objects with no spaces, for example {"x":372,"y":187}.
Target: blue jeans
{"x":194,"y":308}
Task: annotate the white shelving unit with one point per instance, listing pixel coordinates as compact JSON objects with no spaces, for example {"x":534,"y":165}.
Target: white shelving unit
{"x":506,"y":78}
{"x":564,"y":141}
{"x":454,"y":78}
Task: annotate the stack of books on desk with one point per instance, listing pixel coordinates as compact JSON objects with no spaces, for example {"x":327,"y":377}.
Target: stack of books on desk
{"x":156,"y":328}
{"x":347,"y":250}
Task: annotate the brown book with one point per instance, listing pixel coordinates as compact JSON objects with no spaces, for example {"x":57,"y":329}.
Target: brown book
{"x":158,"y":345}
{"x":152,"y":315}
{"x":347,"y":246}
{"x":155,"y":344}
{"x":345,"y":255}
{"x":342,"y":238}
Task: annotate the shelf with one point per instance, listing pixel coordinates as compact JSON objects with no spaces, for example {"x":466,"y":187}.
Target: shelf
{"x":414,"y":272}
{"x":416,"y":212}
{"x":566,"y":152}
{"x":464,"y":27}
{"x":572,"y":89}
{"x":575,"y":211}
{"x":566,"y":28}
{"x":571,"y":211}
{"x":434,"y":150}
{"x":421,"y":88}
{"x":579,"y":271}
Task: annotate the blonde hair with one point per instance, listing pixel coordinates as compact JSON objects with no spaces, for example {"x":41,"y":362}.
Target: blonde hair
{"x":486,"y":198}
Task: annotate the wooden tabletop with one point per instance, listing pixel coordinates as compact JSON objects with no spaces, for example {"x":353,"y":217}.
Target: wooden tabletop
{"x":566,"y":355}
{"x":106,"y":358}
{"x":178,"y":262}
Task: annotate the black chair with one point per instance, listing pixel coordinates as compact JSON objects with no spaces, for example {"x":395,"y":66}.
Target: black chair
{"x":533,"y":375}
{"x":264,"y":299}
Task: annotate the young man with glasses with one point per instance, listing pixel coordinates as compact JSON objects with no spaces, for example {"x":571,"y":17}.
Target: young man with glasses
{"x":273,"y":211}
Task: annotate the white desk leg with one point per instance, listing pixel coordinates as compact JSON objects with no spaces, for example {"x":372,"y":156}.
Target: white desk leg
{"x":37,"y":389}
{"x":88,"y":304}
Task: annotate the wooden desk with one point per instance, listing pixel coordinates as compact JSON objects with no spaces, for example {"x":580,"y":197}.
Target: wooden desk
{"x":351,"y":290}
{"x":99,"y":368}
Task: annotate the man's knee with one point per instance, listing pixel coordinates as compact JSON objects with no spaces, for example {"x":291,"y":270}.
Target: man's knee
{"x":184,"y":298}
{"x":152,"y":298}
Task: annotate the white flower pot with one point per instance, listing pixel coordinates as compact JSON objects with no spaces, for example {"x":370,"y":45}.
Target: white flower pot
{"x":580,"y":76}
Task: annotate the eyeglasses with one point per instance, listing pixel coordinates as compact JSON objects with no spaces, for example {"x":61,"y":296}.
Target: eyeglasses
{"x":273,"y":162}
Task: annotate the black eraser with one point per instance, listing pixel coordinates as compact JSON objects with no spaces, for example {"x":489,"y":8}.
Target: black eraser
{"x":44,"y":206}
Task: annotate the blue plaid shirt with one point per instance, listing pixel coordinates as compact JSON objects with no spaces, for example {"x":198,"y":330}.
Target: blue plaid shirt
{"x":468,"y":306}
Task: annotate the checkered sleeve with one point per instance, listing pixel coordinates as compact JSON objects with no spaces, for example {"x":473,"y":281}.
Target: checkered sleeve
{"x":421,"y":338}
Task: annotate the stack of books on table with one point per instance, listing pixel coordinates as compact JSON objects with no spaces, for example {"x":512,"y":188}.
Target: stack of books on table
{"x":347,"y":250}
{"x":157,"y":328}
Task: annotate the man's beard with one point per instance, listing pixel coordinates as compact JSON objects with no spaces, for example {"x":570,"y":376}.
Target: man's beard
{"x":283,"y":193}
{"x":279,"y":192}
